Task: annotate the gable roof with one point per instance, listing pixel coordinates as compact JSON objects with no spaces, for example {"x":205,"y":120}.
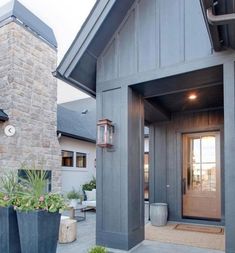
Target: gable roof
{"x":3,"y":116}
{"x":78,"y":66}
{"x":15,"y":11}
{"x":77,"y":119}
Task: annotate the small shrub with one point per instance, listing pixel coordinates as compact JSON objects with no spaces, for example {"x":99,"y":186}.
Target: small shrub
{"x":90,"y":185}
{"x":98,"y":249}
{"x":73,"y":194}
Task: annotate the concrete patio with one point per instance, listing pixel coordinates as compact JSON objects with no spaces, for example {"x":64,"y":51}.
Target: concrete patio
{"x":86,"y":240}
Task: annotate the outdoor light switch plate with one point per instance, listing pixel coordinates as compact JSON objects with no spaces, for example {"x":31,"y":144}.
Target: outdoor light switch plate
{"x":9,"y":130}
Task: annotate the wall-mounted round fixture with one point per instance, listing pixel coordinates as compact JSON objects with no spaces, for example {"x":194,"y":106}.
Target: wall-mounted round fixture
{"x":192,"y":96}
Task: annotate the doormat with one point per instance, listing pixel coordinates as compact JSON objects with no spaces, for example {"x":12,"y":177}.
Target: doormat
{"x":201,"y":229}
{"x":168,"y":234}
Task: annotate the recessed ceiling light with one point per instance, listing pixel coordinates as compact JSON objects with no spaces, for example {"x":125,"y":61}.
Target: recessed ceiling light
{"x":192,"y":96}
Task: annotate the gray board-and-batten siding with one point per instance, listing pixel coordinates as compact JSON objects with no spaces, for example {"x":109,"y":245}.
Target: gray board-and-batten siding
{"x":154,"y":39}
{"x":166,"y":158}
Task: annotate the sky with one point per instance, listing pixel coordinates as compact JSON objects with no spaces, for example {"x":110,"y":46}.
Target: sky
{"x":65,"y":17}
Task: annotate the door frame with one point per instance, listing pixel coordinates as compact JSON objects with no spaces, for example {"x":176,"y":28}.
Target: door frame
{"x":179,"y":144}
{"x":200,"y":195}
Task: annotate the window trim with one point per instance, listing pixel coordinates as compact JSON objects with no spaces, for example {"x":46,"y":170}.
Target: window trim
{"x":76,"y":165}
{"x":62,"y":158}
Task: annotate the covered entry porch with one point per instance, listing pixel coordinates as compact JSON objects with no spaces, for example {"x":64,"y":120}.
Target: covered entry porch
{"x":185,"y":114}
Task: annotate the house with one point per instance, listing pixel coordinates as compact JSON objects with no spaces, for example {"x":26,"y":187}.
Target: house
{"x":28,"y":55}
{"x":171,"y":64}
{"x":76,"y":130}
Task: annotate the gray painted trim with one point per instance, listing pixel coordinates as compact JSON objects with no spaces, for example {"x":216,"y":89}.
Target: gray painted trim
{"x":229,"y":159}
{"x":214,"y":60}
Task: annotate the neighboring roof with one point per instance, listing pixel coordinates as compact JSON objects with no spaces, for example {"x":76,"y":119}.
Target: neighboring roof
{"x":223,"y":36}
{"x":78,"y":66}
{"x":77,"y":119}
{"x":14,"y":10}
{"x":3,"y":116}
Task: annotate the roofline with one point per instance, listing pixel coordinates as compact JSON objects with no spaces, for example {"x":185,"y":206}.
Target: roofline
{"x":74,"y":83}
{"x":81,"y":42}
{"x":76,"y":136}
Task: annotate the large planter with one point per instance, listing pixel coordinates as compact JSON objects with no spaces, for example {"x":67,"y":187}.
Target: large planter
{"x":158,"y":214}
{"x":39,"y":231}
{"x":9,"y":234}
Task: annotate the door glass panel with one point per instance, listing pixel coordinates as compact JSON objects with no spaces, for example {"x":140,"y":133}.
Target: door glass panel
{"x":208,"y":149}
{"x":196,"y":156}
{"x":209,"y":177}
{"x":201,"y":172}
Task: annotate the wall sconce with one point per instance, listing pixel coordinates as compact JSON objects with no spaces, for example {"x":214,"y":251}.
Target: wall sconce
{"x":105,"y":131}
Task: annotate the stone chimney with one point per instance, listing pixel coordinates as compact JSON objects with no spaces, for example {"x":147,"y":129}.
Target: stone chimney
{"x":28,"y":92}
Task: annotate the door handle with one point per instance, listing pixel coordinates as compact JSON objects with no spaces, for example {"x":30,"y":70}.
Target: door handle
{"x":184,"y":186}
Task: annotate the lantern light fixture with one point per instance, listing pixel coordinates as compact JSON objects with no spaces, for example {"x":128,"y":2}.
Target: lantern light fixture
{"x":105,"y":130}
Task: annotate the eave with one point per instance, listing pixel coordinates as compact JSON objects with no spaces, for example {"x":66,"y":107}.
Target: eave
{"x":3,"y":116}
{"x":78,"y":67}
{"x":81,"y":138}
{"x":220,"y":19}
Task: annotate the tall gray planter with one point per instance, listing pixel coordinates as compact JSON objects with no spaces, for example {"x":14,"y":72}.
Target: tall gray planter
{"x":9,"y":234}
{"x":158,"y":214}
{"x":39,"y":231}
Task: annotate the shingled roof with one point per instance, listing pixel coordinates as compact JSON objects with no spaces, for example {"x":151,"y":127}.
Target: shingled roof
{"x":77,"y":119}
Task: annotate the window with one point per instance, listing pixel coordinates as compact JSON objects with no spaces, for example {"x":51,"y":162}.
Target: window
{"x":80,"y":160}
{"x":67,"y":158}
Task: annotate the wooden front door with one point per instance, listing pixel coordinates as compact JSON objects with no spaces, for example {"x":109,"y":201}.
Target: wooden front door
{"x":201,"y":175}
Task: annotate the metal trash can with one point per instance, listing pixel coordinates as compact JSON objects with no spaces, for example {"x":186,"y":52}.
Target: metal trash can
{"x":158,"y":214}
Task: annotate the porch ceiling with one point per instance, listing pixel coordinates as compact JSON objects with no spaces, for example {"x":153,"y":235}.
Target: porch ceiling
{"x":167,"y":95}
{"x":207,"y":98}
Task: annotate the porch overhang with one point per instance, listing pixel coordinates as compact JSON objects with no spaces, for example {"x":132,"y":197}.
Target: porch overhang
{"x":78,"y":67}
{"x":220,"y":19}
{"x":3,"y":116}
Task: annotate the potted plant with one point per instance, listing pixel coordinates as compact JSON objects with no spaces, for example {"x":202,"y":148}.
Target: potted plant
{"x":38,"y":214}
{"x":9,"y":234}
{"x":74,"y":197}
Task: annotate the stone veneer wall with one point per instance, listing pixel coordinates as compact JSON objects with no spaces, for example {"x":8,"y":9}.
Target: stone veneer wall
{"x":28,"y":94}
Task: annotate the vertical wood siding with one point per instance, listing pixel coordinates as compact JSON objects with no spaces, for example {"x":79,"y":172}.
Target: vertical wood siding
{"x":155,"y":34}
{"x":167,"y":154}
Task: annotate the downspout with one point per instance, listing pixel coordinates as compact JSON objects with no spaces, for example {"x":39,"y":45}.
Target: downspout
{"x":224,"y":19}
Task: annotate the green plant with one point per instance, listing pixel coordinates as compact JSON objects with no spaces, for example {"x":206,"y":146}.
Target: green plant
{"x":34,"y":182}
{"x":90,"y":185}
{"x":73,"y":194}
{"x":34,"y":197}
{"x":9,"y":188}
{"x":51,"y":202}
{"x":98,"y":249}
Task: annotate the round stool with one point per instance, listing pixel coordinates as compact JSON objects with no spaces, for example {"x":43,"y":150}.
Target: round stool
{"x":68,"y":231}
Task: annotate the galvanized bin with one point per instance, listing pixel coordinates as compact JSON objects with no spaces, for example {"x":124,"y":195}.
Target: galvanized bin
{"x":158,"y":214}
